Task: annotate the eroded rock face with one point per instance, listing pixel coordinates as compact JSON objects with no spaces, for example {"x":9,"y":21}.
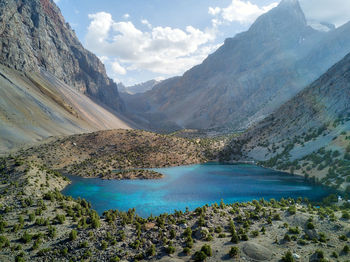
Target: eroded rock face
{"x":34,"y":35}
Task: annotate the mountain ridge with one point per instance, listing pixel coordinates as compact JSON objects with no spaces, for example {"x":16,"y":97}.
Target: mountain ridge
{"x":248,"y":77}
{"x":35,"y":36}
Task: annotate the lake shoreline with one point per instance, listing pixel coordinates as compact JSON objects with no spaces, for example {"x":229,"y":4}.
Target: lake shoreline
{"x":192,"y":186}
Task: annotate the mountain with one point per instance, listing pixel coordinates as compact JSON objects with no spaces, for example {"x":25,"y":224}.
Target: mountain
{"x":34,"y":106}
{"x":309,"y":134}
{"x":35,"y":36}
{"x":138,"y":88}
{"x":248,"y":77}
{"x":49,"y":84}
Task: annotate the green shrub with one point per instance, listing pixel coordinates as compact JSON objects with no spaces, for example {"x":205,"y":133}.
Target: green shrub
{"x":73,"y":235}
{"x":244,"y":237}
{"x":26,"y":238}
{"x":172,"y":234}
{"x":287,"y":238}
{"x":234,"y":252}
{"x":292,"y":210}
{"x":115,"y":259}
{"x":345,"y":215}
{"x":294,"y":230}
{"x":310,"y":225}
{"x":151,"y":251}
{"x":170,"y":249}
{"x":199,"y":256}
{"x":288,"y":257}
{"x":189,"y":242}
{"x":207,"y":250}
{"x":51,"y":231}
{"x":343,"y":238}
{"x":104,"y":245}
{"x":187,"y":251}
{"x":4,"y":242}
{"x":234,"y":238}
{"x":255,"y":233}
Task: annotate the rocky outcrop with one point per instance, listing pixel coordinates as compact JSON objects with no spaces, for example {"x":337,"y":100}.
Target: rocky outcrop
{"x":34,"y":36}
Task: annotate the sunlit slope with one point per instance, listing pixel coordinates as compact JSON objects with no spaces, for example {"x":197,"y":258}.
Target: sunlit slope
{"x":35,"y":106}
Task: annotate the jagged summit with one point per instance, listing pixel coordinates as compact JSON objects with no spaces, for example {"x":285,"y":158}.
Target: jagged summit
{"x":287,"y":18}
{"x":289,"y":2}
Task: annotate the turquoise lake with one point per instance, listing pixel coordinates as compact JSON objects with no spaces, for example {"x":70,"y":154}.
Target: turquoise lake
{"x":191,"y":186}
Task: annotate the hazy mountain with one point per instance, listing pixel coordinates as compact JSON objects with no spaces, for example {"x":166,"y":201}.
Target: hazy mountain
{"x":248,"y":77}
{"x":138,"y":88}
{"x":309,"y":134}
{"x":35,"y":36}
{"x":319,"y":105}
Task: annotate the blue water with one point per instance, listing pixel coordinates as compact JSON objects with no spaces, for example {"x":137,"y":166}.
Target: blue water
{"x":191,"y":186}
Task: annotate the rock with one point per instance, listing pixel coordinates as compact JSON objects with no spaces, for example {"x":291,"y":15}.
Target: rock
{"x":296,"y":256}
{"x":201,"y":233}
{"x":311,"y":233}
{"x":183,"y":226}
{"x":150,"y":225}
{"x":166,"y":259}
{"x":257,"y":252}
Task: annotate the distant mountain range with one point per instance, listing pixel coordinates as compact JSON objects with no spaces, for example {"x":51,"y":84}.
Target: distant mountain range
{"x":247,"y":78}
{"x":138,"y":88}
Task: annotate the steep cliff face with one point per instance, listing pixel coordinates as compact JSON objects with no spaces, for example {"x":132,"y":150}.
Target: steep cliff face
{"x":34,"y":35}
{"x":251,"y":75}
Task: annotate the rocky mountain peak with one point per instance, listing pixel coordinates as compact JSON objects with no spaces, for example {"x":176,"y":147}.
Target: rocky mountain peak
{"x":35,"y":37}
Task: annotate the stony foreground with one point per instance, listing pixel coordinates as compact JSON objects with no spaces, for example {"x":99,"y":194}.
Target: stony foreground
{"x":38,"y":223}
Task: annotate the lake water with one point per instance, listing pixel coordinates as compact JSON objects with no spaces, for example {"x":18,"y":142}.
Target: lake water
{"x":191,"y":186}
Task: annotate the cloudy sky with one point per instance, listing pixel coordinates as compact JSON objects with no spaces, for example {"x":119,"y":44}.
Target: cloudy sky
{"x":139,"y":40}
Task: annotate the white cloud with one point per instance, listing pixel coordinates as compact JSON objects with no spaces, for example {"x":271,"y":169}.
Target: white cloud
{"x":214,"y":11}
{"x":240,"y":11}
{"x":336,"y":12}
{"x":126,"y":16}
{"x":118,"y":69}
{"x":163,"y":50}
{"x":145,"y":22}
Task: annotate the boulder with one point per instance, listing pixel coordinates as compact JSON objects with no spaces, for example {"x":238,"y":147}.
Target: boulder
{"x":257,"y":252}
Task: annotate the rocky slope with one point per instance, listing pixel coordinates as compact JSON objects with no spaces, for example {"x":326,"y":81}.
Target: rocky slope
{"x":34,"y":106}
{"x":100,"y":153}
{"x":34,"y":36}
{"x":248,"y":77}
{"x":309,"y":134}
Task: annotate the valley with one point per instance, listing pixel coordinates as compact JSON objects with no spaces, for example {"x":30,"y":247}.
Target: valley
{"x":242,"y":157}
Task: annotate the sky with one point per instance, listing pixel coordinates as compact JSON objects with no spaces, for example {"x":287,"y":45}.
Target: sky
{"x":139,"y":40}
